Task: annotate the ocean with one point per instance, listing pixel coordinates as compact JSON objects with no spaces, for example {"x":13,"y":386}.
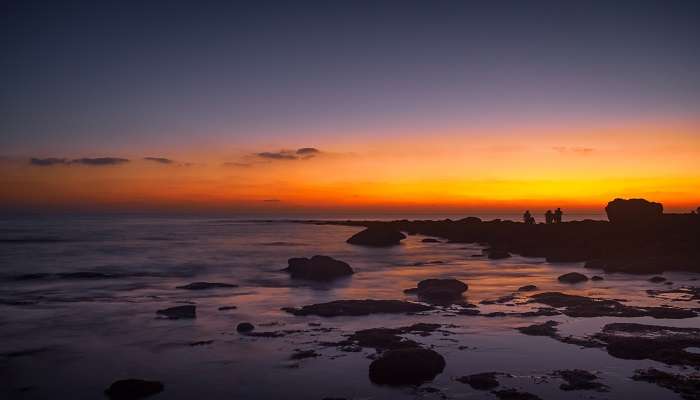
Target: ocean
{"x":79,"y":295}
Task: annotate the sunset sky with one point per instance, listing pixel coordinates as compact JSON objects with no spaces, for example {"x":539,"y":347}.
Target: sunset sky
{"x":348,"y":106}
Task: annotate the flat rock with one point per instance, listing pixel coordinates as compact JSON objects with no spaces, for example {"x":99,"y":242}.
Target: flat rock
{"x":129,"y":389}
{"x":572,"y":277}
{"x":527,"y":288}
{"x":586,"y":307}
{"x":686,"y":386}
{"x":206,"y":285}
{"x":358,"y":307}
{"x":659,"y":343}
{"x":578,"y":379}
{"x":411,"y":366}
{"x":430,"y":240}
{"x":318,"y":268}
{"x":377,"y":236}
{"x":482,"y":381}
{"x":388,"y":338}
{"x":177,"y":312}
{"x":512,"y":394}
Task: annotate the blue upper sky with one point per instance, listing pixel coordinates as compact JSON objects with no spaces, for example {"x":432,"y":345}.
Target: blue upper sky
{"x":118,"y":76}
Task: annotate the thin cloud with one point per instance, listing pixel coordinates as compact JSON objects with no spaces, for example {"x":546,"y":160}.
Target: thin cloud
{"x":302,"y":153}
{"x":47,"y":162}
{"x":575,"y":150}
{"x":161,"y":160}
{"x":93,"y":162}
{"x":100,"y":161}
{"x":237,"y":164}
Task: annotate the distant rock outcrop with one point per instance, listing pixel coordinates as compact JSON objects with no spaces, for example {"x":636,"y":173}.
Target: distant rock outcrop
{"x":377,"y":236}
{"x":633,"y":211}
{"x":319,"y":268}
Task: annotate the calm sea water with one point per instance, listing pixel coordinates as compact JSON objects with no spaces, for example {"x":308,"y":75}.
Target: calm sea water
{"x":71,"y":338}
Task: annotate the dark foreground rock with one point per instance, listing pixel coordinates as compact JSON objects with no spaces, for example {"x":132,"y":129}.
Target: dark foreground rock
{"x":318,"y":268}
{"x":378,"y":236}
{"x":581,"y":306}
{"x":659,"y":343}
{"x":512,"y":394}
{"x":688,"y":387}
{"x":439,"y":290}
{"x":131,"y":389}
{"x":572,"y":277}
{"x":206,"y":285}
{"x":358,"y":307}
{"x":178,"y":312}
{"x":578,"y":379}
{"x":482,"y":381}
{"x":411,"y":366}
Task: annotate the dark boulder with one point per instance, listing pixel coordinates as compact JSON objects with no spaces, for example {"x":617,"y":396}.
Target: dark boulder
{"x":245,"y":327}
{"x":378,"y":237}
{"x":597,"y":278}
{"x":358,"y":307}
{"x":129,"y":389}
{"x":633,"y":211}
{"x":206,"y":285}
{"x":439,"y":289}
{"x":657,"y":279}
{"x":411,"y":366}
{"x":319,"y":268}
{"x":572,"y":277}
{"x":178,"y":312}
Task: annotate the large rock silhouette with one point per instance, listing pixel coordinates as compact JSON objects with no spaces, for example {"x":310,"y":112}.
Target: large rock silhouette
{"x":623,"y":211}
{"x":411,"y":366}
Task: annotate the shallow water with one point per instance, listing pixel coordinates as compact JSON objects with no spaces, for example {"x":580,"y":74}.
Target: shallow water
{"x":71,"y":338}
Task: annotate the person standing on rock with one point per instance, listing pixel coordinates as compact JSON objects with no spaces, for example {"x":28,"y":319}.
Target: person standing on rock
{"x":549,"y":216}
{"x":557,"y":215}
{"x":528,"y":218}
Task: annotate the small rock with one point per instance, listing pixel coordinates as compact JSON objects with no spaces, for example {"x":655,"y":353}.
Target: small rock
{"x":430,"y":240}
{"x":527,"y":288}
{"x":188,"y":311}
{"x":206,"y":285}
{"x":482,"y":381}
{"x":245,"y":327}
{"x":512,"y":394}
{"x":129,"y":389}
{"x":224,"y":308}
{"x":657,"y":279}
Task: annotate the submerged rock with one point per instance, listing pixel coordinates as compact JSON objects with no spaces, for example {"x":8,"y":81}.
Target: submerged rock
{"x":657,"y":279}
{"x":439,"y":290}
{"x":358,"y":307}
{"x":544,"y":329}
{"x":572,"y":277}
{"x":411,"y":366}
{"x":188,"y":311}
{"x":206,"y":285}
{"x":302,"y":354}
{"x":578,"y":379}
{"x":377,"y":236}
{"x":430,"y":240}
{"x":482,"y":381}
{"x":131,"y":389}
{"x":687,"y":386}
{"x":512,"y":394}
{"x":581,"y":306}
{"x":319,"y":268}
{"x":659,"y":343}
{"x":388,"y":338}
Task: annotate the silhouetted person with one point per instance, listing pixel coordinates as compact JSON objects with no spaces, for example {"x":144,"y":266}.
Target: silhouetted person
{"x":528,"y":218}
{"x":549,"y":216}
{"x":557,"y":215}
